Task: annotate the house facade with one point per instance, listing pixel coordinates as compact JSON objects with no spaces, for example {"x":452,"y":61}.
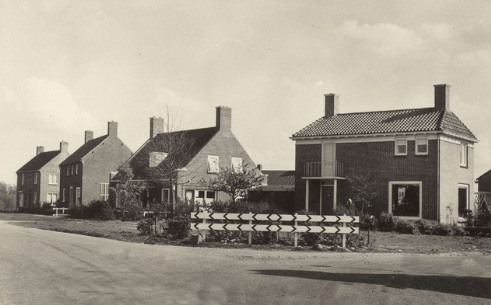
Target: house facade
{"x":421,"y":161}
{"x":37,"y":180}
{"x":85,"y":174}
{"x":182,"y":160}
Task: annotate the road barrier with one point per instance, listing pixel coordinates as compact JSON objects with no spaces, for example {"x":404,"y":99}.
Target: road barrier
{"x":216,"y":222}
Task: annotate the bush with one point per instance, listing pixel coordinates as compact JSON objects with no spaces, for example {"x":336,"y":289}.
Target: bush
{"x":145,"y":226}
{"x":368,"y":222}
{"x":178,"y":226}
{"x":131,"y":212}
{"x":101,"y":210}
{"x":426,"y":226}
{"x":406,"y":227}
{"x":79,"y":212}
{"x":386,"y":222}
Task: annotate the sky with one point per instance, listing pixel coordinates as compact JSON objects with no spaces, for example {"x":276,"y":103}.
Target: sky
{"x":71,"y":66}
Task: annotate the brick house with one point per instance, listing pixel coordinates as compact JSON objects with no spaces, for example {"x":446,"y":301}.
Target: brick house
{"x":37,"y":180}
{"x":422,"y":160}
{"x":198,"y":154}
{"x":85,"y":174}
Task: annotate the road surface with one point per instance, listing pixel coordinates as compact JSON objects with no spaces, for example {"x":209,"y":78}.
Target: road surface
{"x":44,"y":267}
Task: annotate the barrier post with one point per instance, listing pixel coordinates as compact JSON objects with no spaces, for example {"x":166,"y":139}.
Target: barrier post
{"x":250,"y":232}
{"x":344,"y":235}
{"x":295,"y":238}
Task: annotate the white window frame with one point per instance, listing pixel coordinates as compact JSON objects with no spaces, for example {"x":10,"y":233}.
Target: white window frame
{"x":21,"y":199}
{"x":63,"y":194}
{"x":22,"y":179}
{"x":464,"y":154}
{"x":68,"y":170}
{"x":52,"y":179}
{"x":213,"y":164}
{"x":78,"y":195}
{"x":162,"y":194}
{"x":416,"y":146}
{"x":70,"y":195}
{"x":396,"y":145}
{"x":104,"y":191}
{"x":76,"y":169}
{"x":418,"y":183}
{"x":156,"y":157}
{"x":35,"y":178}
{"x":467,"y":188}
{"x":237,"y":164}
{"x":34,"y":197}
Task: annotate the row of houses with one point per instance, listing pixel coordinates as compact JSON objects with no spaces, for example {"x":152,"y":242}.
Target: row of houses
{"x":421,"y":161}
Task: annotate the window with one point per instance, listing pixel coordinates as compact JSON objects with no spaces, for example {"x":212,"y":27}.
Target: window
{"x":463,"y":199}
{"x":35,"y":178}
{"x":63,"y":195}
{"x":421,"y":146}
{"x":78,"y":196}
{"x":156,"y":158}
{"x":68,"y":170}
{"x":71,"y":169}
{"x":21,"y":199}
{"x":213,"y":164}
{"x":34,"y":197}
{"x":52,"y":178}
{"x":104,"y":192}
{"x":22,"y":179}
{"x":165,"y":195}
{"x":51,"y":198}
{"x":76,"y":169}
{"x":464,"y":149}
{"x":401,"y":147}
{"x":237,"y":164}
{"x":405,"y":198}
{"x":70,"y":196}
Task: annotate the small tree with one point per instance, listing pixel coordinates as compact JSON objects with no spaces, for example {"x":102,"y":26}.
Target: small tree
{"x":127,"y":193}
{"x":235,"y":182}
{"x":362,"y":190}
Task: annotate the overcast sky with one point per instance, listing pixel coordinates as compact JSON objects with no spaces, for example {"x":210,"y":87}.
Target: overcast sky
{"x":71,"y":66}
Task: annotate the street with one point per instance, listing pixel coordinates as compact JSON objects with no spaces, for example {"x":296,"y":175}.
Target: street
{"x":45,"y":267}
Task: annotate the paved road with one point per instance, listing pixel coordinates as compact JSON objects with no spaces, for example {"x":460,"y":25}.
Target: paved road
{"x":43,"y":267}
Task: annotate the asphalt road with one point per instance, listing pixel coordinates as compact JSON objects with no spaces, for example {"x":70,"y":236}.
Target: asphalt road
{"x":44,"y":267}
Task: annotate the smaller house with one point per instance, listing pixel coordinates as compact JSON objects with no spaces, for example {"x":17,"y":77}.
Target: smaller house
{"x":484,"y":186}
{"x":172,"y":165}
{"x":85,"y":174}
{"x":37,"y":180}
{"x":278,"y":189}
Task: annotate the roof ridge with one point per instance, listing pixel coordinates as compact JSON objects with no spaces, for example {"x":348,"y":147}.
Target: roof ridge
{"x":194,"y":129}
{"x":393,"y":110}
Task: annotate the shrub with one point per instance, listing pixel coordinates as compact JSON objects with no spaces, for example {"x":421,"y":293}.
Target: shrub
{"x":368,"y":222}
{"x":310,"y":239}
{"x":132,"y":212}
{"x":355,"y":241}
{"x":145,"y":226}
{"x":264,"y":238}
{"x":406,"y":227}
{"x":426,"y":226}
{"x":79,"y":212}
{"x":386,"y":222}
{"x":178,"y":226}
{"x":101,"y":210}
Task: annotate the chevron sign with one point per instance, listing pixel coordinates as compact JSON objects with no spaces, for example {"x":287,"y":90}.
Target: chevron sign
{"x":273,"y":228}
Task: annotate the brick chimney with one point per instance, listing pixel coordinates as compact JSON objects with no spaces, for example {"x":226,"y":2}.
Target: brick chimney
{"x":331,"y":105}
{"x":442,"y":97}
{"x":224,"y":118}
{"x":63,"y":146}
{"x":112,"y":128}
{"x":156,"y":126}
{"x":89,"y":135}
{"x":39,"y":149}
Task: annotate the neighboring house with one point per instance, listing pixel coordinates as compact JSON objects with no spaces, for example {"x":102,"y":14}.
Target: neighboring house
{"x":85,"y":174}
{"x":278,"y":189}
{"x":192,"y":156}
{"x":484,"y":182}
{"x":37,"y":180}
{"x":422,"y":160}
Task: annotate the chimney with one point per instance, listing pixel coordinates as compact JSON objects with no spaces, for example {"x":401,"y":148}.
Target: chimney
{"x":112,"y":128}
{"x":259,"y":167}
{"x":224,"y":118}
{"x":156,"y":126}
{"x":63,"y":146}
{"x":442,"y":97}
{"x":39,"y":149}
{"x":331,"y":105}
{"x":89,"y":135}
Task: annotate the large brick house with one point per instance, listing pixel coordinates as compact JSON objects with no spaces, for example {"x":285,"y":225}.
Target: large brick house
{"x":85,"y":174}
{"x":192,"y":156}
{"x":421,"y":160}
{"x":37,"y":180}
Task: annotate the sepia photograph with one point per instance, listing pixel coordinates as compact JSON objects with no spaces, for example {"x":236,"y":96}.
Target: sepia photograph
{"x":245,"y":152}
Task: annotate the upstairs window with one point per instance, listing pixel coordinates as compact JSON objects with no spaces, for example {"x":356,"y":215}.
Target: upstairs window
{"x":401,"y":147}
{"x":156,"y":158}
{"x":68,"y":170}
{"x":464,"y":151}
{"x":22,"y":179}
{"x":76,"y":169}
{"x":421,"y":146}
{"x":213,"y":164}
{"x":104,"y":191}
{"x":35,"y":178}
{"x":53,"y":179}
{"x":237,"y":164}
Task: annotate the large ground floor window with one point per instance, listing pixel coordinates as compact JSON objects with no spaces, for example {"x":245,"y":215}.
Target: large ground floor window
{"x":405,"y":198}
{"x":463,"y":199}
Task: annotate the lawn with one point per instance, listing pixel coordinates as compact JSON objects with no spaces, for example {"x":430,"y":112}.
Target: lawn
{"x":126,"y":231}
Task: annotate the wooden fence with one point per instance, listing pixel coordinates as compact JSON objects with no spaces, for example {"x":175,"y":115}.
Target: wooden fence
{"x":249,"y":222}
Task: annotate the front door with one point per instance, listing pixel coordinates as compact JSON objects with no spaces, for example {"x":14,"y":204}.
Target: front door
{"x":327,"y":201}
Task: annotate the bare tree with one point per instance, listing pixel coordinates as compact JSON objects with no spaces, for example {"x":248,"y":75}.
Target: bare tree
{"x":7,"y":197}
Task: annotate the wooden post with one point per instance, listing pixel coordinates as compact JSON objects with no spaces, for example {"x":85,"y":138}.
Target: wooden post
{"x":204,"y":231}
{"x":296,"y":234}
{"x":344,"y":235}
{"x":250,"y":232}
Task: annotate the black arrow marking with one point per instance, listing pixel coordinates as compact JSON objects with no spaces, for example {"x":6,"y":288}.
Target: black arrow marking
{"x":209,"y":227}
{"x":225,"y":227}
{"x":254,"y":228}
{"x":267,"y":228}
{"x":294,"y":229}
{"x":323,"y":218}
{"x":225,"y":216}
{"x":337,"y":230}
{"x":254,"y":216}
{"x":308,"y":218}
{"x":323,"y":229}
{"x":240,"y":216}
{"x":339,"y":219}
{"x":238,"y":228}
{"x":196,"y":226}
{"x":279,"y":217}
{"x":352,"y":219}
{"x":294,"y":217}
{"x":196,"y":215}
{"x":211,"y":216}
{"x":269,"y":217}
{"x":308,"y":229}
{"x":352,"y":230}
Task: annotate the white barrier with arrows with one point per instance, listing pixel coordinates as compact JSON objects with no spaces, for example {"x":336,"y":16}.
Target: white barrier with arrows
{"x":250,"y":227}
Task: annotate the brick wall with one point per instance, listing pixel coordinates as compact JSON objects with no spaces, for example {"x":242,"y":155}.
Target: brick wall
{"x":66,"y":181}
{"x":28,"y":189}
{"x":303,"y":154}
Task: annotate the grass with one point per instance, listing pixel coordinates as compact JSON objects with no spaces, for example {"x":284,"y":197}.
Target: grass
{"x":126,"y":231}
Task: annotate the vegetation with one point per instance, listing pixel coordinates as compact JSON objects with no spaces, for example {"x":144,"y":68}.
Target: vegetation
{"x":7,"y":197}
{"x":98,"y":210}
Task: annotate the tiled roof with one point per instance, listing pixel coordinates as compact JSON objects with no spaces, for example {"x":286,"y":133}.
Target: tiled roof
{"x":484,"y":175}
{"x":280,"y":177}
{"x":393,"y":121}
{"x":39,"y":161}
{"x":190,"y":143}
{"x":83,"y":150}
